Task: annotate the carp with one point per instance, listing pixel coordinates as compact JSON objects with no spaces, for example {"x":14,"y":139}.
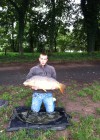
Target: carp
{"x":44,"y":83}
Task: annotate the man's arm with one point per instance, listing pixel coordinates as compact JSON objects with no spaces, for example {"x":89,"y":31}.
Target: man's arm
{"x":31,"y":73}
{"x":53,"y":73}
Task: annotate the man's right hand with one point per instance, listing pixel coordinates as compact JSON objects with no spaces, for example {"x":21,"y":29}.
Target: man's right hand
{"x":36,"y":88}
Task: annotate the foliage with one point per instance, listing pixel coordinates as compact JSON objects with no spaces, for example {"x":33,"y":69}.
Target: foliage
{"x":30,"y":26}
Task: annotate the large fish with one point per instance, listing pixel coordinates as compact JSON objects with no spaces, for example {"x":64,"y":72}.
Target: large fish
{"x":44,"y":83}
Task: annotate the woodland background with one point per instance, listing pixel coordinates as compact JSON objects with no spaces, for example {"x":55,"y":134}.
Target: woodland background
{"x":49,"y":25}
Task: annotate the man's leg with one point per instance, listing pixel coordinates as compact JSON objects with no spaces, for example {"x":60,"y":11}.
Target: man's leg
{"x":49,"y":103}
{"x":36,"y":102}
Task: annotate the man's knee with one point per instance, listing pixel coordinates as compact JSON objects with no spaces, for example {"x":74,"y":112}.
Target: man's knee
{"x":49,"y":105}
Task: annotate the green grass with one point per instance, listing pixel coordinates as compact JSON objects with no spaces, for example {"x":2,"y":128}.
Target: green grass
{"x":87,"y":127}
{"x":74,"y":56}
{"x":98,"y":111}
{"x":16,"y":57}
{"x":93,"y":91}
{"x":60,"y":57}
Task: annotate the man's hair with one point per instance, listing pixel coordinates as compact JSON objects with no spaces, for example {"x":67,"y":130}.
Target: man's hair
{"x":43,"y":53}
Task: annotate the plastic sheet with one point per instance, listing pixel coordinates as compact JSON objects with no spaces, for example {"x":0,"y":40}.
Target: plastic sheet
{"x":23,"y":117}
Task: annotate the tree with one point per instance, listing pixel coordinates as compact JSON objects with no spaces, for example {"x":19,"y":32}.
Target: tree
{"x":21,"y":9}
{"x":58,"y":11}
{"x":91,"y":9}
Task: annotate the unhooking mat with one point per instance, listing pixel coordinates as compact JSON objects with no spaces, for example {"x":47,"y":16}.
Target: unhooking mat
{"x":24,"y":118}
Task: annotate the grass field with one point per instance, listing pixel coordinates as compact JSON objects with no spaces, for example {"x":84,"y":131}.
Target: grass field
{"x":61,"y":57}
{"x":84,"y":126}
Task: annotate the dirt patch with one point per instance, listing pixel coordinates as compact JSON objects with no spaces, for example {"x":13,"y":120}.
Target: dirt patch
{"x":80,"y":72}
{"x":85,"y":106}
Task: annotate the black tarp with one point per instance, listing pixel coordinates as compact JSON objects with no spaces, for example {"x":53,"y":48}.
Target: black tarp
{"x":21,"y":116}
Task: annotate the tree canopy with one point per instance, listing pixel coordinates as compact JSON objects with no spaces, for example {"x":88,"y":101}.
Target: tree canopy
{"x":44,"y":25}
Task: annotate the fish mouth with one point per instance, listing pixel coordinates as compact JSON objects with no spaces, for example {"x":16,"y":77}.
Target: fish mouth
{"x":25,"y":84}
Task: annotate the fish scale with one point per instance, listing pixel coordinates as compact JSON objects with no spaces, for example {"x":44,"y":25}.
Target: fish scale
{"x":44,"y":83}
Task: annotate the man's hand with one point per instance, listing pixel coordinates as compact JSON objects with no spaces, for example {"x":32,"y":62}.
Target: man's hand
{"x":34,"y":87}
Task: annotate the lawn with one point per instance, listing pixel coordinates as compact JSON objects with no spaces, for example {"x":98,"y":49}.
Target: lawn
{"x":60,"y":57}
{"x":81,"y":101}
{"x":85,"y":124}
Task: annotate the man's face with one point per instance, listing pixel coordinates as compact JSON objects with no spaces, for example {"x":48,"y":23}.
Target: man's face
{"x":43,"y":59}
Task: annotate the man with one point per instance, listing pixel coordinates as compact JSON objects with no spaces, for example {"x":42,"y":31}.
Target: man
{"x":39,"y":96}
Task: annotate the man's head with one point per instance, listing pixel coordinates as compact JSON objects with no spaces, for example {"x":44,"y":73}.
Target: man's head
{"x":43,"y":59}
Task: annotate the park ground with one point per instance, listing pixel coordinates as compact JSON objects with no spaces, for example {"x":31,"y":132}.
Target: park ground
{"x":75,"y":75}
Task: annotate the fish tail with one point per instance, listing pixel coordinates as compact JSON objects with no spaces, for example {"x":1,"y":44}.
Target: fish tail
{"x":62,"y":87}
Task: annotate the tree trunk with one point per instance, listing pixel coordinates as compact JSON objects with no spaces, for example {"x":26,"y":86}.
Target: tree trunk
{"x":90,"y":12}
{"x":20,"y":34}
{"x":12,"y":41}
{"x":21,"y":11}
{"x":91,"y":35}
{"x":97,"y":43}
{"x":52,"y":26}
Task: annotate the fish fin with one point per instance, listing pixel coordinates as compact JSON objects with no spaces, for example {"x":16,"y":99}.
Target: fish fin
{"x":44,"y":90}
{"x":61,"y":87}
